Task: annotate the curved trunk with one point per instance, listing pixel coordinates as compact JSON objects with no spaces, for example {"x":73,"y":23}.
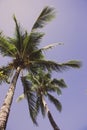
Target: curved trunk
{"x":5,"y":109}
{"x":53,"y":123}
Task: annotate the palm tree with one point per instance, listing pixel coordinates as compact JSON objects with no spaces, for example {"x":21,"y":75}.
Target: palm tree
{"x":38,"y":87}
{"x":25,"y":55}
{"x":42,"y":85}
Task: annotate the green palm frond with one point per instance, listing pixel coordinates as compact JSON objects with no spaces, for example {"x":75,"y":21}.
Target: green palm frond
{"x":53,"y":88}
{"x":6,"y":48}
{"x":31,"y":43}
{"x":3,"y":77}
{"x":5,"y":73}
{"x":73,"y":64}
{"x":55,"y":102}
{"x":39,"y":53}
{"x":50,"y":46}
{"x":31,"y":99}
{"x":19,"y":35}
{"x":53,"y":123}
{"x":61,"y":83}
{"x":46,"y":15}
{"x":51,"y":65}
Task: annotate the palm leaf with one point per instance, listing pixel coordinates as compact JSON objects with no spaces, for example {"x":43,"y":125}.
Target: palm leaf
{"x":18,"y":33}
{"x":40,"y":106}
{"x":73,"y":64}
{"x":3,"y":77}
{"x":55,"y":102}
{"x":61,"y":83}
{"x":6,"y":48}
{"x":31,"y":99}
{"x":53,"y":123}
{"x":46,"y":15}
{"x":31,"y":42}
{"x":51,"y":46}
{"x":53,"y":88}
{"x":51,"y":65}
{"x":5,"y":73}
{"x":38,"y":52}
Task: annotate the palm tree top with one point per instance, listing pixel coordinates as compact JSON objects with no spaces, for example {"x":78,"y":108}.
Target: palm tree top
{"x":24,"y":48}
{"x":36,"y":85}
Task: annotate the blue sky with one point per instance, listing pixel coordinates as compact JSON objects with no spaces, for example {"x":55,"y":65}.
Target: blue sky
{"x":69,"y":27}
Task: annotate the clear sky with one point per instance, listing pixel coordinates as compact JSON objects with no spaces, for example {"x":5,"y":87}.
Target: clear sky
{"x":69,"y":27}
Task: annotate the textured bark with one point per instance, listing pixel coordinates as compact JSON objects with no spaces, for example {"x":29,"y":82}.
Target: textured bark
{"x":53,"y":123}
{"x":5,"y":109}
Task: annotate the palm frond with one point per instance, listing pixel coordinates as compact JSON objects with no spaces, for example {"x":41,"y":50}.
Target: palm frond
{"x":19,"y":35}
{"x":3,"y":77}
{"x":31,"y":99}
{"x":6,"y":48}
{"x":53,"y":88}
{"x":73,"y":64}
{"x":50,"y":46}
{"x":53,"y":123}
{"x":61,"y":83}
{"x":38,"y":52}
{"x":55,"y":102}
{"x":38,"y":104}
{"x":46,"y":15}
{"x":32,"y":42}
{"x":5,"y":73}
{"x":51,"y":65}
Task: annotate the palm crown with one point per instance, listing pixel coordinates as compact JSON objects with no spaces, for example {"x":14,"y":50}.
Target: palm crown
{"x":23,"y":48}
{"x":40,"y":86}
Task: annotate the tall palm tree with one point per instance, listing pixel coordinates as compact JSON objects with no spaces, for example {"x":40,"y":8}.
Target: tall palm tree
{"x":25,"y":55}
{"x":42,"y":85}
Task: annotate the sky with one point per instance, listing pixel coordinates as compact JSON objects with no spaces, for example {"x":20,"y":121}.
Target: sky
{"x":69,"y":27}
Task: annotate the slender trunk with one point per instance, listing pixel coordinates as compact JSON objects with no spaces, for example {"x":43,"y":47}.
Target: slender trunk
{"x":53,"y":123}
{"x":5,"y":109}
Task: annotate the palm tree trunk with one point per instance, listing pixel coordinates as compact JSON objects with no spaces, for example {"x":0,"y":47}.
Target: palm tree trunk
{"x":5,"y":109}
{"x":53,"y":123}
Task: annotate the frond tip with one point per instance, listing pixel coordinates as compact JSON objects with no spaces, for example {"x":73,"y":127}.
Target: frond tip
{"x":73,"y":64}
{"x":46,"y":15}
{"x":51,"y":46}
{"x":53,"y":123}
